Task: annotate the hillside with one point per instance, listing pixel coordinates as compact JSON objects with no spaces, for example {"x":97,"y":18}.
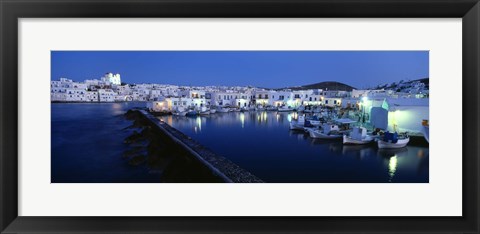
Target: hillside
{"x":327,"y":85}
{"x":404,"y":83}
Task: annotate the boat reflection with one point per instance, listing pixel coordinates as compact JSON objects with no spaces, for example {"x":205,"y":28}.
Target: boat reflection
{"x":387,"y":153}
{"x":358,"y":151}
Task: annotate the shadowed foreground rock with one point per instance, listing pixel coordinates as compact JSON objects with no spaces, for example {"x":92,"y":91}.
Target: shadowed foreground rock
{"x":180,"y":158}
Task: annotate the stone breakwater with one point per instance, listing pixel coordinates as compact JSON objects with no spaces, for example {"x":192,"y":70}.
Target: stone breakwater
{"x":189,"y":161}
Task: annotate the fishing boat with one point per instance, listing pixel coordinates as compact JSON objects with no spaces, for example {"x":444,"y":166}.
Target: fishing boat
{"x":298,"y":124}
{"x":204,"y":111}
{"x":393,"y":141}
{"x":328,"y":131}
{"x":315,"y":120}
{"x":300,"y":109}
{"x":271,"y":108}
{"x":192,"y":113}
{"x":223,"y":110}
{"x":260,"y":108}
{"x":358,"y":136}
{"x":284,"y":109}
{"x":426,"y":130}
{"x":180,"y":111}
{"x":213,"y":111}
{"x":308,"y":126}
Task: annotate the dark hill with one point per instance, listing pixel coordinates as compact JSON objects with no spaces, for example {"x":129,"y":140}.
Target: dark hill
{"x":327,"y":85}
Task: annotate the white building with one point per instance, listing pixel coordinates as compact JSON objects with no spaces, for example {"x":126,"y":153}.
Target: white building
{"x":112,"y":78}
{"x":106,"y":95}
{"x":397,"y":114}
{"x":281,"y":98}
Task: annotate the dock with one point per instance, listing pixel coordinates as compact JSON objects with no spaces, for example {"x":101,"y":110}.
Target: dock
{"x":220,"y":167}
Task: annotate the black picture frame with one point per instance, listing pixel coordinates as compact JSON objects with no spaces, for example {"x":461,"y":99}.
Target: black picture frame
{"x":11,"y":11}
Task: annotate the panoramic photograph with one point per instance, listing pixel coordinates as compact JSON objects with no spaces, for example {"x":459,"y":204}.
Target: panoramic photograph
{"x":239,"y":116}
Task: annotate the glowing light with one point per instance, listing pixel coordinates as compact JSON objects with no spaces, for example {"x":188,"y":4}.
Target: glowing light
{"x":364,"y":99}
{"x":242,"y":119}
{"x":420,"y":154}
{"x":392,"y":167}
{"x":199,"y":123}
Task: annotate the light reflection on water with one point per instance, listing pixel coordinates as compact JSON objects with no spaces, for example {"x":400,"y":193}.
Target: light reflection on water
{"x":392,"y":167}
{"x":262,"y":143}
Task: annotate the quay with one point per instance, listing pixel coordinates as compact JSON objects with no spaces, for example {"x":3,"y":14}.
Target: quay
{"x":222,"y":169}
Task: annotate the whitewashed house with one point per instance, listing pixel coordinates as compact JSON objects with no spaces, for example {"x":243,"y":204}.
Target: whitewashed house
{"x":106,"y":95}
{"x":397,"y":114}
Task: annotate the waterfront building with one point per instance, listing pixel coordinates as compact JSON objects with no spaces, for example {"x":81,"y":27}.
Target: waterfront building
{"x":242,"y":100}
{"x":314,"y":98}
{"x":332,"y":101}
{"x":300,"y":97}
{"x":261,"y":97}
{"x":281,"y":98}
{"x":91,"y":96}
{"x":396,"y":114}
{"x":197,"y":97}
{"x":75,"y":95}
{"x":106,"y":95}
{"x":159,"y":106}
{"x":227,"y":98}
{"x":173,"y":103}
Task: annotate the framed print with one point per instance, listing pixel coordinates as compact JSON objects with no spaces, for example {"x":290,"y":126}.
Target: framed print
{"x":277,"y":116}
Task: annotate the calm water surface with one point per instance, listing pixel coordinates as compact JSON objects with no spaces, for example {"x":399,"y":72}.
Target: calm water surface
{"x":262,"y":143}
{"x":87,"y":146}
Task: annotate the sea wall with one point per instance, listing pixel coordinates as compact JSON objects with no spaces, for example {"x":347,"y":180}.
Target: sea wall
{"x":192,"y":161}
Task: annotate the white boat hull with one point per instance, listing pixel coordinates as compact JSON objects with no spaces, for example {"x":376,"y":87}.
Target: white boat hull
{"x":388,"y":145}
{"x":296,"y":126}
{"x":180,"y":113}
{"x":319,"y":135}
{"x":350,"y":141}
{"x":223,"y":110}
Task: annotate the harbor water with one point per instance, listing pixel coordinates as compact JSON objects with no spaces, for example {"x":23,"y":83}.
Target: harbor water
{"x":87,"y":147}
{"x":262,"y":143}
{"x":87,"y":144}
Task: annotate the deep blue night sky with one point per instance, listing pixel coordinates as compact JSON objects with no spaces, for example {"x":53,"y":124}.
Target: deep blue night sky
{"x":270,"y":69}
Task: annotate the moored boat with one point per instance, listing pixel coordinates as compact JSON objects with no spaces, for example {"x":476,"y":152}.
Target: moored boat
{"x":358,"y":136}
{"x":392,"y":141}
{"x":192,"y":113}
{"x":223,"y":110}
{"x":271,"y":108}
{"x":315,"y":120}
{"x":298,"y":124}
{"x":204,"y":111}
{"x":328,"y":131}
{"x":284,"y":109}
{"x":180,"y":111}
